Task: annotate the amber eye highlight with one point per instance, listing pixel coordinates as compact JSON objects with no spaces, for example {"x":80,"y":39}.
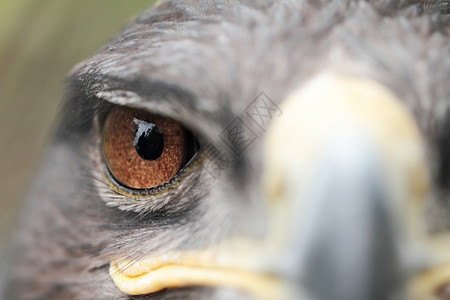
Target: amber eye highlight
{"x":143,"y":150}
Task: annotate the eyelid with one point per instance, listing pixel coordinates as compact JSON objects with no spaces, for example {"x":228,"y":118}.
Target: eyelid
{"x":158,"y":98}
{"x":175,"y":103}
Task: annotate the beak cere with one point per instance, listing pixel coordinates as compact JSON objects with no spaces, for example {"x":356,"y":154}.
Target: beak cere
{"x":345,"y":178}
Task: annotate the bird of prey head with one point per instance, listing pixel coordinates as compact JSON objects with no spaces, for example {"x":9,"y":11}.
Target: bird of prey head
{"x":250,"y":150}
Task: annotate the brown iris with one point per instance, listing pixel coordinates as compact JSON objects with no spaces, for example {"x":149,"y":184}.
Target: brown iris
{"x":143,"y":150}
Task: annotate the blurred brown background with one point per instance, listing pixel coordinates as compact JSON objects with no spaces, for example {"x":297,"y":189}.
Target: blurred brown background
{"x":40,"y":40}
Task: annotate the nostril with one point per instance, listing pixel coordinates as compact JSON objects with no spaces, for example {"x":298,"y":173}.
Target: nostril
{"x":443,"y":292}
{"x":443,"y":144}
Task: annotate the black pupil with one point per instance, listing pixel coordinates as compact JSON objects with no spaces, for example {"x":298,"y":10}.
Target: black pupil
{"x":148,"y":140}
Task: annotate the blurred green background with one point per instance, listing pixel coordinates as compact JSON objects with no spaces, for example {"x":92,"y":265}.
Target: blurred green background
{"x":40,"y":41}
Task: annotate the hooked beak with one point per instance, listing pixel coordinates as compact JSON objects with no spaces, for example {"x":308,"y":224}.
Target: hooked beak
{"x":353,"y":178}
{"x":345,"y":178}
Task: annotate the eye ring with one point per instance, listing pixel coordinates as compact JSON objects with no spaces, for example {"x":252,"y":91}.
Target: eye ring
{"x":144,"y":151}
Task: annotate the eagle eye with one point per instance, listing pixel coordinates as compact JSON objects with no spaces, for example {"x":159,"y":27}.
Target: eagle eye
{"x":143,"y":150}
